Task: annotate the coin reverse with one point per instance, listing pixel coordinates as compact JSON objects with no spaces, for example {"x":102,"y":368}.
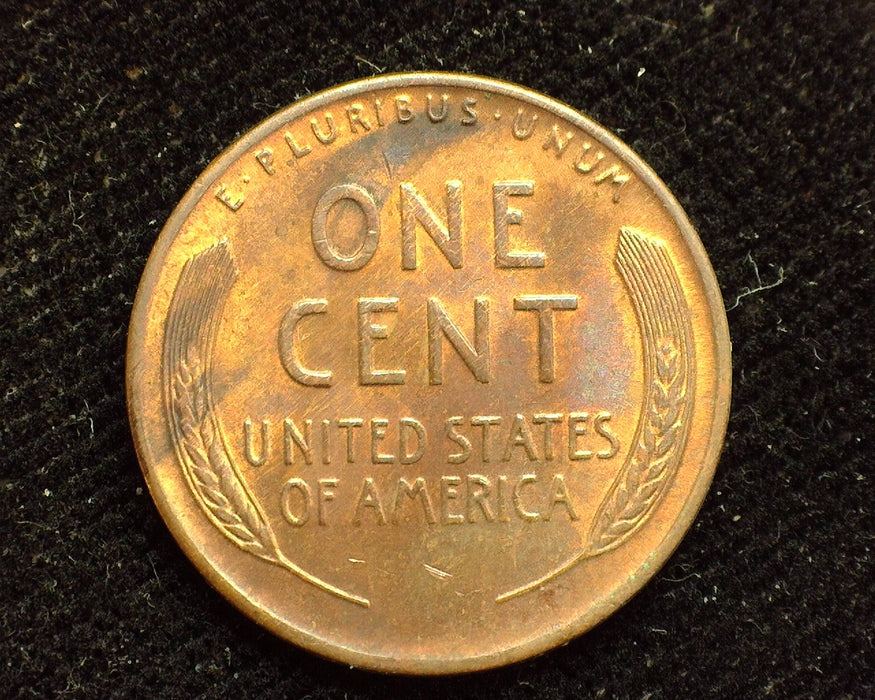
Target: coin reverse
{"x":428,"y":373}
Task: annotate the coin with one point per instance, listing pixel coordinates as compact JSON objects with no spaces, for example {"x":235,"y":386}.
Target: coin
{"x":428,"y":373}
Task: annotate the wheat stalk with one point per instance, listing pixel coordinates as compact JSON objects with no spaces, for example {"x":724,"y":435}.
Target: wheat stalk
{"x":663,"y":318}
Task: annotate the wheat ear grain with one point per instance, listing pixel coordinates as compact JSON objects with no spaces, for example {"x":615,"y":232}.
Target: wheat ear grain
{"x":632,"y":498}
{"x":214,"y":482}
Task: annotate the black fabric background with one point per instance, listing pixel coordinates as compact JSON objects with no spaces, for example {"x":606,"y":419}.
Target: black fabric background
{"x":758,"y":115}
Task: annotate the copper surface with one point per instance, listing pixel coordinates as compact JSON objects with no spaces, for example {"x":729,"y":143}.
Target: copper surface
{"x":428,"y":373}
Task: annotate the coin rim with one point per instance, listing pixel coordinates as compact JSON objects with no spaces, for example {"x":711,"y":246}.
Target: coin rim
{"x":634,"y":581}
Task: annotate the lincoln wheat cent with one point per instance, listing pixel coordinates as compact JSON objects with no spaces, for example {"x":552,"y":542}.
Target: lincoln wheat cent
{"x":428,"y":373}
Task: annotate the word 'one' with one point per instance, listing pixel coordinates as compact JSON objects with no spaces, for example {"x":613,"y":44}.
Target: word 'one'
{"x":447,"y":237}
{"x":416,"y":209}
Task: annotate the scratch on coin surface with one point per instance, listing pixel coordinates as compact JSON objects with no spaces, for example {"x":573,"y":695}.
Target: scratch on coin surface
{"x":438,"y":573}
{"x":388,"y":165}
{"x":353,"y":560}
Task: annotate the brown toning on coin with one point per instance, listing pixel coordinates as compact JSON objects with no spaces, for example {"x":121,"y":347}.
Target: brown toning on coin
{"x":428,"y":373}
